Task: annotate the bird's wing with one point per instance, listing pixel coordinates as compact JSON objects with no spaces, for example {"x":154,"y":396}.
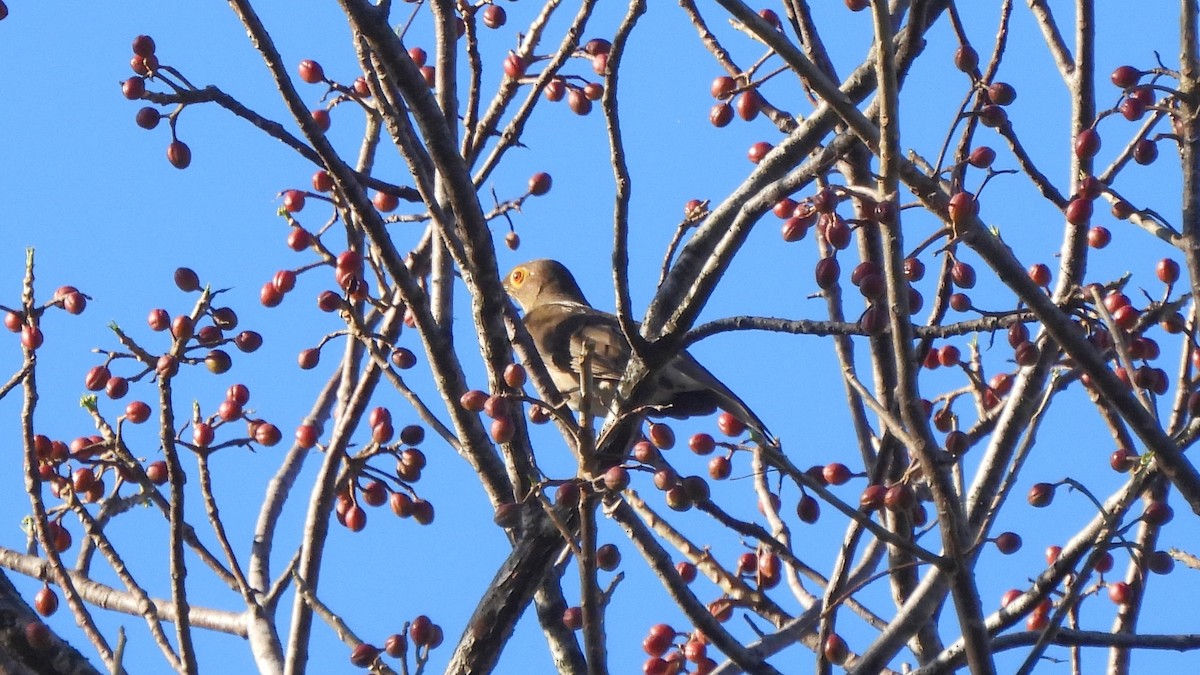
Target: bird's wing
{"x":696,"y":391}
{"x":682,"y":388}
{"x":560,"y":330}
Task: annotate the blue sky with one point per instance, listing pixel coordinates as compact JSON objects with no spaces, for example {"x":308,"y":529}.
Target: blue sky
{"x":94,"y":195}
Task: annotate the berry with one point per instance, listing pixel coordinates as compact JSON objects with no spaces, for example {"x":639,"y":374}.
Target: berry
{"x":133,"y":88}
{"x":966,"y":59}
{"x":514,"y":66}
{"x":1167,"y":271}
{"x":720,"y":115}
{"x":179,"y":154}
{"x":1126,"y":76}
{"x":1098,"y":236}
{"x":1002,"y":93}
{"x":293,"y":201}
{"x":1087,"y":144}
{"x":311,"y":71}
{"x":1040,"y":495}
{"x":143,"y":45}
{"x":494,"y":16}
{"x":539,"y":184}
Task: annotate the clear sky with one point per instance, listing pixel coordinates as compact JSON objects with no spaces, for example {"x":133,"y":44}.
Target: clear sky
{"x":95,"y":196}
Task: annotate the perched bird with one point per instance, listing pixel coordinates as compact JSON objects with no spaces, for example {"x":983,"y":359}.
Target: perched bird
{"x":561,"y":323}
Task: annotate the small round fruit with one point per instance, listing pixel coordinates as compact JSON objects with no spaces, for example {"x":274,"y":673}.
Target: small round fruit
{"x":1040,"y":495}
{"x":730,"y":425}
{"x":835,"y":649}
{"x":981,"y":157}
{"x":1087,"y":144}
{"x":403,"y":358}
{"x":1126,"y":76}
{"x":267,"y":434}
{"x":1098,"y":236}
{"x":1145,"y":152}
{"x":494,"y":16}
{"x":293,"y":201}
{"x":514,"y":66}
{"x":46,"y":601}
{"x":836,"y":473}
{"x":385,"y":202}
{"x":748,"y":104}
{"x":309,"y":358}
{"x":137,"y":412}
{"x":1008,"y":542}
{"x":143,"y":45}
{"x":1167,"y":271}
{"x":514,"y":375}
{"x":963,"y":206}
{"x":248,"y":341}
{"x":720,"y":115}
{"x":179,"y":154}
{"x":608,"y":557}
{"x":133,"y":88}
{"x":311,"y":71}
{"x":539,"y":183}
{"x":218,"y":362}
{"x":758,"y":151}
{"x":966,"y":59}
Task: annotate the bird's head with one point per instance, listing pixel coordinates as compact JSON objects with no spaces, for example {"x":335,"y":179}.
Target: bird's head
{"x":540,"y":281}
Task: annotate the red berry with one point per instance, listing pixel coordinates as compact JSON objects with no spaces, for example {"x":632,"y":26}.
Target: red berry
{"x":1126,"y":76}
{"x":982,"y":157}
{"x":322,"y":181}
{"x":1145,"y":152}
{"x":836,"y":650}
{"x":966,"y":59}
{"x":179,"y":154}
{"x":267,"y":434}
{"x":299,"y":239}
{"x":539,"y":184}
{"x":1041,"y":494}
{"x":270,"y":295}
{"x":494,"y":16}
{"x":133,"y":88}
{"x":1132,"y":109}
{"x":386,"y":202}
{"x":96,"y":378}
{"x":321,"y":119}
{"x":514,"y":66}
{"x":46,"y":601}
{"x":293,"y":201}
{"x":758,"y":151}
{"x":1087,"y":144}
{"x":137,"y":412}
{"x":1167,"y":271}
{"x":722,"y":87}
{"x":311,"y":71}
{"x":730,"y":425}
{"x":143,"y":45}
{"x":31,"y":337}
{"x":1039,"y":273}
{"x":284,"y":280}
{"x":1098,"y":236}
{"x":720,"y":115}
{"x":962,"y":207}
{"x":597,"y":46}
{"x":1002,"y":93}
{"x":749,"y":103}
{"x":143,"y":65}
{"x":1008,"y":542}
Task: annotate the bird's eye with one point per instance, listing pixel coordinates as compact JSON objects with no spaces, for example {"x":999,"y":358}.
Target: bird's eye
{"x":518,"y":276}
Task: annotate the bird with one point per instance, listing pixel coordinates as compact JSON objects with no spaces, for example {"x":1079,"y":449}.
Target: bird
{"x":562,"y":322}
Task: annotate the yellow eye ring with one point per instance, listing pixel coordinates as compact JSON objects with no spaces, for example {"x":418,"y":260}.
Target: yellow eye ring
{"x":518,"y":276}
